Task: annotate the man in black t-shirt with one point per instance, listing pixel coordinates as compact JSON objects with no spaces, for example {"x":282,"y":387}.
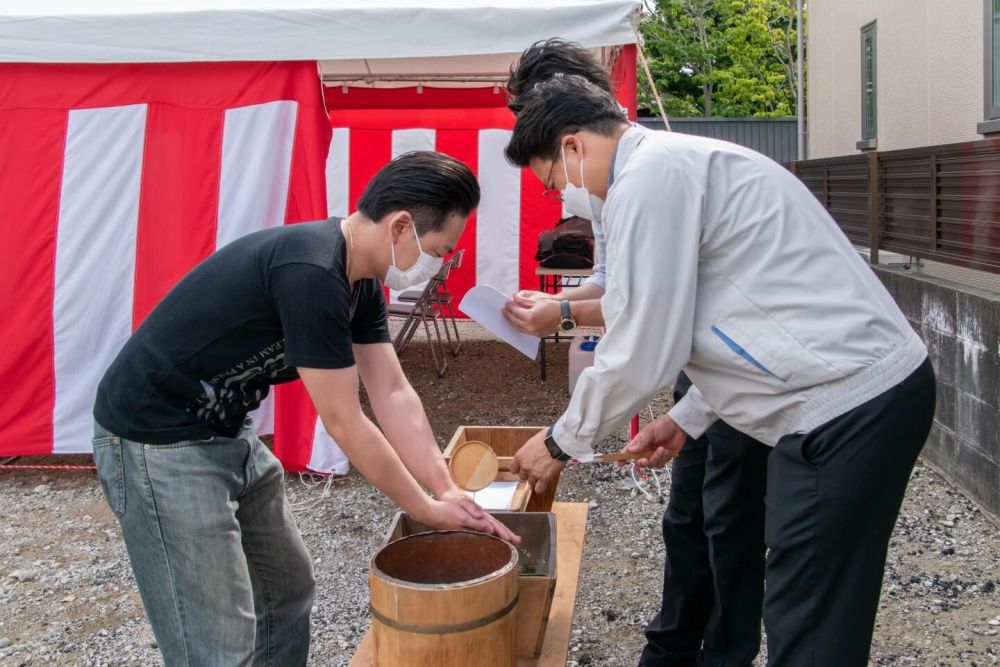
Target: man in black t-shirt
{"x":224,"y":575}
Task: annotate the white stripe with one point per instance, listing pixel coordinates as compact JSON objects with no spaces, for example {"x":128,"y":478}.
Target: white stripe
{"x":419,"y":139}
{"x":404,"y":141}
{"x":326,"y":457}
{"x":498,"y":219}
{"x":95,"y":260}
{"x":338,"y":173}
{"x":256,"y":165}
{"x":263,"y":416}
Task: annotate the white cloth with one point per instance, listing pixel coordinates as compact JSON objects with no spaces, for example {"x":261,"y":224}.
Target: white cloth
{"x":721,"y":262}
{"x":390,"y":34}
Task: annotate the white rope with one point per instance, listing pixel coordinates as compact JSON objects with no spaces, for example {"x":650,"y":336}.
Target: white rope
{"x":636,"y":474}
{"x":313,"y":481}
{"x":633,"y":469}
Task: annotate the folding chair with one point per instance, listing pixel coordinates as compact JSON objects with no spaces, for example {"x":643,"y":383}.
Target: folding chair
{"x":424,"y":309}
{"x":442,"y":299}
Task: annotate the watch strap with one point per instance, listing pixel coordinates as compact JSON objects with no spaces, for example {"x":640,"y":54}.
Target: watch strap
{"x":565,"y":310}
{"x":554,"y":450}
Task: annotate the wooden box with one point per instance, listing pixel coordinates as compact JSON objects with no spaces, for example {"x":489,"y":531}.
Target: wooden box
{"x":505,"y":441}
{"x":537,"y":562}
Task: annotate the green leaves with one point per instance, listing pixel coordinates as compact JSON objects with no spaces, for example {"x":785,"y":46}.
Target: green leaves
{"x":721,"y":57}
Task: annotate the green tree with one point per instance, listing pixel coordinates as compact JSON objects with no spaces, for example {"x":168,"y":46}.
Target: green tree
{"x":721,"y":57}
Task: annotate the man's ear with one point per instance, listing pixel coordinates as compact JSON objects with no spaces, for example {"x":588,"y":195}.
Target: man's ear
{"x":400,"y":224}
{"x":571,"y":145}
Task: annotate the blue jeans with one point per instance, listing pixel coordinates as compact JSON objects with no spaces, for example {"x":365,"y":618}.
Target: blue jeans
{"x":221,"y":567}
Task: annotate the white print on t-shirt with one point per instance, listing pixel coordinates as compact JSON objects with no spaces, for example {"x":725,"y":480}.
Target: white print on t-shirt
{"x":229,"y":395}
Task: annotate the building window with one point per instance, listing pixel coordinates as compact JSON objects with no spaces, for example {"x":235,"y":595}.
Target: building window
{"x":991,"y":67}
{"x":869,"y":88}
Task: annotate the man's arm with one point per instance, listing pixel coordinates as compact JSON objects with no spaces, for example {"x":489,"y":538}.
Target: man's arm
{"x":538,"y":313}
{"x":649,"y":333}
{"x":693,"y":413}
{"x":586,"y":292}
{"x":334,"y":392}
{"x":401,"y":415}
{"x":541,"y":316}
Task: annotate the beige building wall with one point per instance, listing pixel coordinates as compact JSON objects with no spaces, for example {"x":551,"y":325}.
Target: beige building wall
{"x":929,"y":73}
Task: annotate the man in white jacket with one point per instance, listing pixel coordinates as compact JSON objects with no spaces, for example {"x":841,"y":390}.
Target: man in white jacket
{"x":713,"y":525}
{"x":787,"y":335}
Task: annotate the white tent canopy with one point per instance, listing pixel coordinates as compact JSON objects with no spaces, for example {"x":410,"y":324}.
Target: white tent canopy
{"x":357,"y":41}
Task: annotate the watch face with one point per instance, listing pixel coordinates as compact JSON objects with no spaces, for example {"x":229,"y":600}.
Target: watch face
{"x":567,"y":325}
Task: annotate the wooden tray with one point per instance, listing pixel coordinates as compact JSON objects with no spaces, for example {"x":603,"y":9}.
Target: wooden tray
{"x":571,"y":523}
{"x":505,"y":441}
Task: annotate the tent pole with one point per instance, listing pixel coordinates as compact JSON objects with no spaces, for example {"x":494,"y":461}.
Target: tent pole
{"x":800,"y":84}
{"x":652,"y":86}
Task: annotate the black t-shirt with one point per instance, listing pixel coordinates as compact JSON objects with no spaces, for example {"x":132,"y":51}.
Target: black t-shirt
{"x":240,"y":321}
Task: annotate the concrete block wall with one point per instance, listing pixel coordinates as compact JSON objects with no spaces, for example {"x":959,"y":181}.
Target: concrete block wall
{"x":961,"y":327}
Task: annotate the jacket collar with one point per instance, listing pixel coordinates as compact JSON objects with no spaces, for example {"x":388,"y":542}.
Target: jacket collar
{"x":627,"y":144}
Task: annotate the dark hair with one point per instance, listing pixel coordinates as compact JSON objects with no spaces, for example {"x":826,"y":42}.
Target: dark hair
{"x":430,"y":185}
{"x":552,"y":57}
{"x":557,"y":107}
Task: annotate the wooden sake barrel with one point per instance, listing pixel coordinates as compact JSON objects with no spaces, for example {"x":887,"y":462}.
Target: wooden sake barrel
{"x":444,"y":599}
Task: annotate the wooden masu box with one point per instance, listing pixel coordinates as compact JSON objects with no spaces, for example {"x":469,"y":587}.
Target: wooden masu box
{"x":505,"y":441}
{"x":537,"y":563}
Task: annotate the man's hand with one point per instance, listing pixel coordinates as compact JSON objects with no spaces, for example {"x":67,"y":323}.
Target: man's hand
{"x":533,"y":315}
{"x":534,"y":463}
{"x":456,"y":495}
{"x":658,"y":442}
{"x":456,"y":511}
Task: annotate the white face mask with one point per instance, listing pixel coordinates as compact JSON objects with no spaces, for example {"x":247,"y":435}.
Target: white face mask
{"x":422,"y":270}
{"x":577,"y":200}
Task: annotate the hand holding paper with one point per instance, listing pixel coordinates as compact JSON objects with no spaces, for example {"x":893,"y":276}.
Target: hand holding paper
{"x":484,"y":304}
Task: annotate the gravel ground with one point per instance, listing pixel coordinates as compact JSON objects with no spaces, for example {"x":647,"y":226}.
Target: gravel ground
{"x":67,"y":596}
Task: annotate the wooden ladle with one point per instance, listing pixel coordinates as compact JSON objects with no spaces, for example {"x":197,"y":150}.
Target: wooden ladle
{"x":474,"y":465}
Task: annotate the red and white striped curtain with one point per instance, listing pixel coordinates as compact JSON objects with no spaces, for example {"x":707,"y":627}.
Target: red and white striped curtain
{"x":500,"y":238}
{"x":115,"y":180}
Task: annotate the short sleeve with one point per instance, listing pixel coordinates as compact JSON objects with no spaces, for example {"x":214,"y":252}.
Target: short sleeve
{"x":314,"y":306}
{"x":370,"y":322}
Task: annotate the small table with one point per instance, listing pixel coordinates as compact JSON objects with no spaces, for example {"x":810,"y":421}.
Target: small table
{"x":551,"y":281}
{"x":571,"y":522}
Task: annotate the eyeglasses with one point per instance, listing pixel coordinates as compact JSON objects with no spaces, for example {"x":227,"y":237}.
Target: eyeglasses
{"x":548,"y":191}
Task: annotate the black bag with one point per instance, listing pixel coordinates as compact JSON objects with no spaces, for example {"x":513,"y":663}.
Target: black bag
{"x":570,"y":245}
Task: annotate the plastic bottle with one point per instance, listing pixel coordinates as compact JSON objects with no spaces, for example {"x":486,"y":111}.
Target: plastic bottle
{"x":581,"y":356}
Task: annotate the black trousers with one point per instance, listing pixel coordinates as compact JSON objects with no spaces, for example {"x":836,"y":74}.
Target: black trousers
{"x":713,"y":529}
{"x":833,"y":496}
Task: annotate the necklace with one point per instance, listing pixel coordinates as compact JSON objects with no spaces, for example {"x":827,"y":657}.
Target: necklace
{"x":350,"y":249}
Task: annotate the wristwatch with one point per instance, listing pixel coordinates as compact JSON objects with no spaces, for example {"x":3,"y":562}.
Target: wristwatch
{"x":550,"y":444}
{"x":567,"y":323}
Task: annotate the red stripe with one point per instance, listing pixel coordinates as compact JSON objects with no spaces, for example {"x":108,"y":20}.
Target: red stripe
{"x":179,"y":199}
{"x":370,"y":151}
{"x":623,"y":75}
{"x":439,"y":119}
{"x":32,"y":143}
{"x":463,"y":145}
{"x":538,"y":213}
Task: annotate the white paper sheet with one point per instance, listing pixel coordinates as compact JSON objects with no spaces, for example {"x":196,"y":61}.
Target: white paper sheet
{"x":496,"y":496}
{"x":484,"y":304}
